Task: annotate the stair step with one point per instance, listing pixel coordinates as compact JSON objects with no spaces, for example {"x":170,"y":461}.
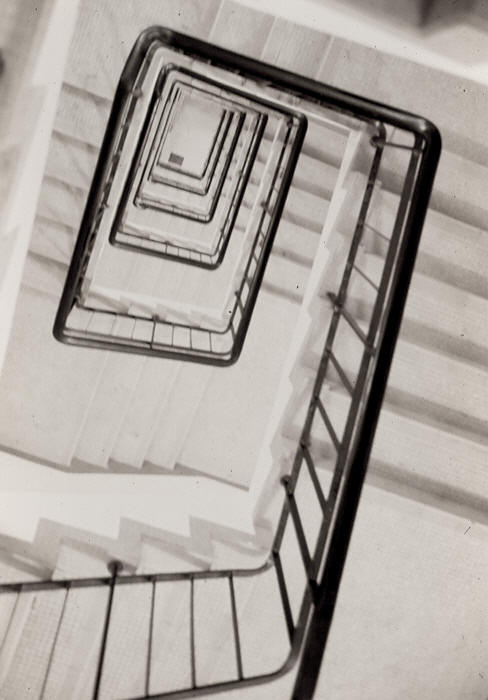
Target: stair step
{"x":61,"y":203}
{"x":79,"y":560}
{"x":325,"y":143}
{"x":82,"y":115}
{"x":460,"y":189}
{"x":144,"y":412}
{"x":159,"y":557}
{"x":241,"y":29}
{"x":217,"y":444}
{"x":305,"y":210}
{"x":437,"y":314}
{"x":104,"y":415}
{"x":49,"y":385}
{"x":318,"y":162}
{"x":29,"y":662}
{"x":259,"y":610}
{"x":171,"y":640}
{"x":71,"y":160}
{"x":424,"y":455}
{"x":315,"y":175}
{"x":75,"y":658}
{"x":44,"y":274}
{"x":147,"y":281}
{"x":182,"y":403}
{"x":450,"y":250}
{"x":293,"y":242}
{"x":125,"y":662}
{"x":285,"y":277}
{"x":104,"y":37}
{"x":418,"y":381}
{"x":295,"y":48}
{"x":15,"y":614}
{"x":215,"y":659}
{"x":457,"y":110}
{"x":52,"y":240}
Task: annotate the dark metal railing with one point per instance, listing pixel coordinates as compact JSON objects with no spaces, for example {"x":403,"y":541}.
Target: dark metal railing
{"x":212,"y":341}
{"x":321,"y":560}
{"x":170,"y":248}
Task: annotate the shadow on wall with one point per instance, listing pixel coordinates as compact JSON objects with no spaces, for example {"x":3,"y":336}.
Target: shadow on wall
{"x":425,"y":14}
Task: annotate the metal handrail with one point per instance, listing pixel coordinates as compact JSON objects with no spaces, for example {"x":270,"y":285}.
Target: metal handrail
{"x":223,"y":346}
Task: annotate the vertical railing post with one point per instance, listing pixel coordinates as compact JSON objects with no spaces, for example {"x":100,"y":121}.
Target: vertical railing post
{"x":114,"y":567}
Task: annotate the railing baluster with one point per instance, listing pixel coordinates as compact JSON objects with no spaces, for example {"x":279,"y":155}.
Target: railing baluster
{"x":54,"y":644}
{"x":300,"y":532}
{"x":155,"y":323}
{"x":192,"y":633}
{"x":150,"y":639}
{"x":284,"y":595}
{"x":114,"y":568}
{"x":235,"y":625}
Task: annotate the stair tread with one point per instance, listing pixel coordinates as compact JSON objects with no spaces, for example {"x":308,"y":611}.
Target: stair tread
{"x":420,"y":453}
{"x":71,"y":160}
{"x":81,"y":115}
{"x":457,"y":109}
{"x":144,"y":412}
{"x":241,"y":29}
{"x":449,"y":248}
{"x":293,"y":241}
{"x":437,"y":314}
{"x":52,"y":240}
{"x":31,"y":378}
{"x":180,"y":407}
{"x":44,"y":274}
{"x":216,"y":443}
{"x":103,"y":39}
{"x":294,"y":47}
{"x":428,"y":380}
{"x":61,"y":203}
{"x":103,"y":418}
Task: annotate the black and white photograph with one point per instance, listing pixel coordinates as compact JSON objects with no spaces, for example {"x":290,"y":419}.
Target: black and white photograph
{"x":244,"y":349}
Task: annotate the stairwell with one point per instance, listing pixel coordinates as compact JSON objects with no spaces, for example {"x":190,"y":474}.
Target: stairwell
{"x":112,"y":413}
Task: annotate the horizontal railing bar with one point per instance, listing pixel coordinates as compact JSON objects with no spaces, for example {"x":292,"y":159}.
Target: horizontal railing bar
{"x":101,"y":581}
{"x":379,"y":141}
